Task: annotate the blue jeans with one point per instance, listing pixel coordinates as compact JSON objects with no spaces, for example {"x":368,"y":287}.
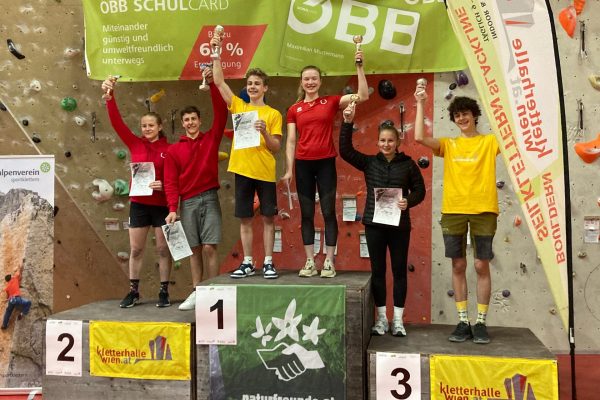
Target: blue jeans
{"x":12,"y":303}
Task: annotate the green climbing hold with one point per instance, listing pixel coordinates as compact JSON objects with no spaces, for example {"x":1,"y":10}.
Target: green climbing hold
{"x":121,"y":154}
{"x":68,"y":104}
{"x":121,"y":187}
{"x":177,"y":265}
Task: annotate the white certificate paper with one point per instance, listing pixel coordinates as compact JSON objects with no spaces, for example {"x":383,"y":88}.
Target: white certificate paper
{"x":142,"y":174}
{"x":386,"y":206}
{"x":176,"y":240}
{"x":245,"y":134}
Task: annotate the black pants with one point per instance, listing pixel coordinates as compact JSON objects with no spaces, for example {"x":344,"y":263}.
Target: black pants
{"x":379,"y":240}
{"x":321,"y":175}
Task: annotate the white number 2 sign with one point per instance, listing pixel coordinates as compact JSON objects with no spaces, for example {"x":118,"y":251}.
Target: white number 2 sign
{"x":63,"y":347}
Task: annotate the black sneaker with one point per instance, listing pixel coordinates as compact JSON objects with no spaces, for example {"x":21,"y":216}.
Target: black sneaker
{"x":163,"y":299}
{"x":461,"y":333}
{"x":130,"y":300}
{"x":269,"y":271}
{"x":480,"y":334}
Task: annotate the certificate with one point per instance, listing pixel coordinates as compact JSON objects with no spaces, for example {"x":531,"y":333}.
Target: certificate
{"x":176,"y":240}
{"x":142,"y":175}
{"x":386,"y":206}
{"x":245,"y":134}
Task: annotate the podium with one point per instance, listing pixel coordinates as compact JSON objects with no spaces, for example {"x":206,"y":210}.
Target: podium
{"x":358,"y":316}
{"x":428,"y":340}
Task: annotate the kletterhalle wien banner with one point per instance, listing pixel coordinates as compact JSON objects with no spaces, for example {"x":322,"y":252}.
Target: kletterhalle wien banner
{"x":509,"y":48}
{"x":150,"y":40}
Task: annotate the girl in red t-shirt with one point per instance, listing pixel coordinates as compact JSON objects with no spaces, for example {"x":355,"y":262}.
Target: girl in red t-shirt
{"x":311,"y":150}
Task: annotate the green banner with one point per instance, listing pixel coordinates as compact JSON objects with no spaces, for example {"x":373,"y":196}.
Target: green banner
{"x":151,"y":40}
{"x":291,"y":344}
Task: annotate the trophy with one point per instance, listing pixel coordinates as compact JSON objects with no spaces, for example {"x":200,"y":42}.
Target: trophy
{"x":218,"y":32}
{"x":204,"y":86}
{"x":108,"y":93}
{"x":421,"y":82}
{"x":354,"y":98}
{"x":357,"y":39}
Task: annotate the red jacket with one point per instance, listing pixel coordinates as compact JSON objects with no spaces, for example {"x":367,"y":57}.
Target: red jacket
{"x":191,"y":166}
{"x":141,"y":151}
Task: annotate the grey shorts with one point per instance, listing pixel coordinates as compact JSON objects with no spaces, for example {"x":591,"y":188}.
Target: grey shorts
{"x":482,"y":228}
{"x":201,"y":218}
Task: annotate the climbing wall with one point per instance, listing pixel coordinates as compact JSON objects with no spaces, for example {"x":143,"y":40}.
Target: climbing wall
{"x":49,"y":34}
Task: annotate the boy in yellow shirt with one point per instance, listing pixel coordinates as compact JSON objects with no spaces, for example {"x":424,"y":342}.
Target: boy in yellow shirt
{"x":470,"y":202}
{"x":254,"y":167}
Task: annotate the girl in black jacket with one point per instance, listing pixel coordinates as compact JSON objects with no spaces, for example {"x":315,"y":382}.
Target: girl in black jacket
{"x":386,"y":169}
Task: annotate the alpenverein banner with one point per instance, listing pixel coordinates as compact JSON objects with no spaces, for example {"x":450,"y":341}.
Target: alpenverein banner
{"x":290,"y":344}
{"x":151,"y":40}
{"x":492,"y":378}
{"x":509,"y":48}
{"x":27,"y":254}
{"x":140,"y":350}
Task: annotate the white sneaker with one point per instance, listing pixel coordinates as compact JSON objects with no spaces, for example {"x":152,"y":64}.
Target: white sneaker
{"x":189,"y":303}
{"x":398,"y":328}
{"x":328,"y":270}
{"x":309,"y":269}
{"x":380,"y":328}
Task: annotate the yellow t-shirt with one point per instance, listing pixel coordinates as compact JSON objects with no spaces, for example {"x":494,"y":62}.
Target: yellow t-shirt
{"x":469,"y":174}
{"x":255,"y":162}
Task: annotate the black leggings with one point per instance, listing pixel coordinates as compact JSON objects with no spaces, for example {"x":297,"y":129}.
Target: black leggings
{"x":379,"y":239}
{"x":319,"y":174}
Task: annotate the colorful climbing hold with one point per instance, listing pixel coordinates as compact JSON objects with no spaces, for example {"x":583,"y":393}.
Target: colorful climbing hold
{"x":104,"y":192}
{"x":568,"y":19}
{"x":121,"y":154}
{"x":68,"y":104}
{"x":121,"y":187}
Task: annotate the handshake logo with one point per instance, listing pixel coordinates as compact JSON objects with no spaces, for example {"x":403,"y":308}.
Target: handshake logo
{"x":288,"y":359}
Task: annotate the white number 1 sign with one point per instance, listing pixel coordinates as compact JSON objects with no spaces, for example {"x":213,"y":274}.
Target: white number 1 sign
{"x":216,"y":315}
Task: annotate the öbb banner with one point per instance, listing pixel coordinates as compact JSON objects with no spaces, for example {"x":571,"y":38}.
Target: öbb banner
{"x":151,"y":40}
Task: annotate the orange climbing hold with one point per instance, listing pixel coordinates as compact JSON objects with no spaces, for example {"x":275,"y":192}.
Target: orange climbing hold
{"x":568,"y":20}
{"x":588,"y":151}
{"x":579,"y":4}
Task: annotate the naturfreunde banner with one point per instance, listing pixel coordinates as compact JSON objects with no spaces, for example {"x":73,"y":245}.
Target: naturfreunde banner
{"x":151,"y":40}
{"x":291,"y":344}
{"x":475,"y":377}
{"x":509,"y":48}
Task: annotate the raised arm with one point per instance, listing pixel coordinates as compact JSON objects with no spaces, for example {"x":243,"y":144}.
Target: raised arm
{"x":363,"y":86}
{"x":347,"y":151}
{"x":126,"y":135}
{"x":218,"y":77}
{"x":432,"y":143}
{"x":290,"y":152}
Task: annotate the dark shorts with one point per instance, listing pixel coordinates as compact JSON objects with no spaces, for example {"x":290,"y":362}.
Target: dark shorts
{"x":244,"y":197}
{"x":201,"y":218}
{"x":482,"y":228}
{"x":142,"y":215}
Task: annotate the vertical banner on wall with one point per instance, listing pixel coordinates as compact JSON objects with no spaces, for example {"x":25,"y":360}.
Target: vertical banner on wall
{"x":509,"y":48}
{"x":290,"y":344}
{"x":26,"y":253}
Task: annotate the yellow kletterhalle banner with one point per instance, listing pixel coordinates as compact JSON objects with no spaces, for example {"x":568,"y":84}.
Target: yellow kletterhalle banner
{"x":140,"y":350}
{"x":483,"y":378}
{"x":509,"y":49}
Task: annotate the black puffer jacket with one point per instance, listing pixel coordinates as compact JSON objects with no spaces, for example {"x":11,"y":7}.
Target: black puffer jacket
{"x":400,"y":172}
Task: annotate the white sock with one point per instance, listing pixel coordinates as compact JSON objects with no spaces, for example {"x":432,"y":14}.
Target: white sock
{"x":381,"y":313}
{"x":248,"y":260}
{"x":268,"y":260}
{"x":398,"y":313}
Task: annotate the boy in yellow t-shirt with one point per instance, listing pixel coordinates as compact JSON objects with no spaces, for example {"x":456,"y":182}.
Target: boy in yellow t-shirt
{"x":254,"y":167}
{"x":469,"y":202}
